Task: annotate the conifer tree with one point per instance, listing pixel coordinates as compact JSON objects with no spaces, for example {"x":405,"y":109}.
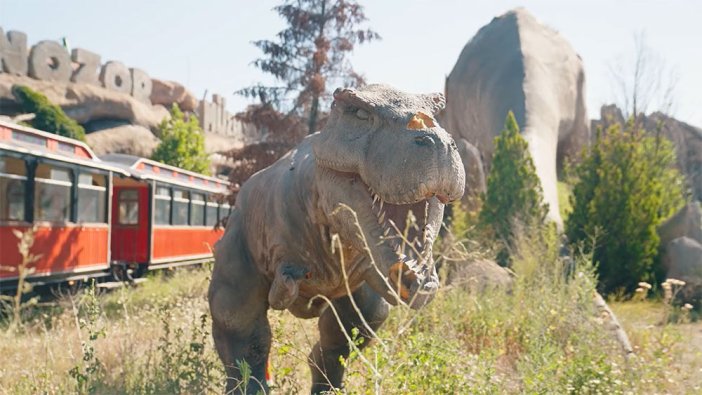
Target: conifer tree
{"x":309,"y":55}
{"x":627,"y":184}
{"x":514,"y":194}
{"x":182,"y":143}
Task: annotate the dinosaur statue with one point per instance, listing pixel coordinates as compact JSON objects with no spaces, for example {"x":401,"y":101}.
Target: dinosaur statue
{"x":329,"y":219}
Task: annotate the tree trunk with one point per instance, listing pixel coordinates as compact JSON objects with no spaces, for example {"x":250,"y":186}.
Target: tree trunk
{"x":314,"y":110}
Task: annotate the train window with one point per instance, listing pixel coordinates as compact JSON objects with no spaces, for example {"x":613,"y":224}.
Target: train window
{"x":92,"y":203}
{"x":13,"y":181}
{"x":180,"y":207}
{"x":52,"y":193}
{"x":163,"y":206}
{"x":197,"y":209}
{"x":211,"y":211}
{"x":128,"y":207}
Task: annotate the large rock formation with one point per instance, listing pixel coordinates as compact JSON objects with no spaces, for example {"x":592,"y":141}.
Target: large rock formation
{"x":167,"y":93}
{"x":84,"y":102}
{"x":125,"y":139}
{"x":516,"y":63}
{"x":686,"y":138}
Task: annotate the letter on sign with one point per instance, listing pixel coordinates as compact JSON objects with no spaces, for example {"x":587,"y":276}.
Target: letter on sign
{"x":49,"y":61}
{"x":13,"y":53}
{"x":115,"y":76}
{"x":141,"y":86}
{"x":88,"y":63}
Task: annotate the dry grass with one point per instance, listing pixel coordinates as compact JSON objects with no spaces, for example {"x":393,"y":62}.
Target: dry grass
{"x":542,"y":337}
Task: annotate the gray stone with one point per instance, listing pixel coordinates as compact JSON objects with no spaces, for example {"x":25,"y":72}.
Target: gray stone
{"x":141,"y":85}
{"x":168,"y":93}
{"x":49,"y":61}
{"x":13,"y":52}
{"x":116,"y":77}
{"x":479,"y":275}
{"x":88,"y":64}
{"x":516,"y":63}
{"x":126,"y":139}
{"x":473,"y":165}
{"x":685,"y":223}
{"x":683,"y":261}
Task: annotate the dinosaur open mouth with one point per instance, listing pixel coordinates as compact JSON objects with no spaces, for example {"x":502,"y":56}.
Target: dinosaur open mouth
{"x":409,"y":230}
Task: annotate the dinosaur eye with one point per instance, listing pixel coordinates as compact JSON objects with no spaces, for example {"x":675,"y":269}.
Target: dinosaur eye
{"x":362,"y":114}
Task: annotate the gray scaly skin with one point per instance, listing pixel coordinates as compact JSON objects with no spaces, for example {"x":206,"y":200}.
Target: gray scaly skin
{"x":381,"y":156}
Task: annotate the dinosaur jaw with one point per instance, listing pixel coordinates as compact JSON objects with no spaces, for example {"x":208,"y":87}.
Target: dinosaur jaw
{"x":409,"y":230}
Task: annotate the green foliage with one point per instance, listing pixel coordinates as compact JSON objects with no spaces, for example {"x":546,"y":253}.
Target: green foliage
{"x":627,"y":184}
{"x":48,"y":116}
{"x":514,"y":194}
{"x":182,"y":143}
{"x":309,"y":57}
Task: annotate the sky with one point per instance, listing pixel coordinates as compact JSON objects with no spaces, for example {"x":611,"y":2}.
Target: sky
{"x":206,"y":45}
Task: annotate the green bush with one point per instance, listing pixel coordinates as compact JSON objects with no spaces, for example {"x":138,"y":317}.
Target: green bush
{"x":48,"y":116}
{"x":182,"y":143}
{"x":626,"y":185}
{"x":514,"y":194}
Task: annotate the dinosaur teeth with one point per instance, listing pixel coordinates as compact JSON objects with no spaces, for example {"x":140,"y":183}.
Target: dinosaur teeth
{"x":381,"y":204}
{"x":381,"y":218}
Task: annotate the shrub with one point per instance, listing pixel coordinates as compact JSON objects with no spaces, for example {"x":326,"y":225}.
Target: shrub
{"x":48,"y":116}
{"x":626,"y":186}
{"x":182,"y":143}
{"x":514,"y":193}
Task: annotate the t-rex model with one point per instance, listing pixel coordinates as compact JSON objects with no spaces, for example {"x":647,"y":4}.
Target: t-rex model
{"x":324,"y":220}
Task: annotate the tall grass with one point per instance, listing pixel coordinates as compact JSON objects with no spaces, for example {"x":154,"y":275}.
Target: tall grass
{"x":544,"y":335}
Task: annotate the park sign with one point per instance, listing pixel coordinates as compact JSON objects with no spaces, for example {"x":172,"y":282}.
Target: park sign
{"x":50,"y":61}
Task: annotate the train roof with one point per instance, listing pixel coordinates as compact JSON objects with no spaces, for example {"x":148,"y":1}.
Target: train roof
{"x":147,"y":169}
{"x":30,"y":141}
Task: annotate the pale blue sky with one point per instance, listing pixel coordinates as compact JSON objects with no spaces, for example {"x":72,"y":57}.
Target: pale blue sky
{"x":206,"y":44}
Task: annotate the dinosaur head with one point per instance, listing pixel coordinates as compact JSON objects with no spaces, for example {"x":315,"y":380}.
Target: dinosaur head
{"x":410,"y":167}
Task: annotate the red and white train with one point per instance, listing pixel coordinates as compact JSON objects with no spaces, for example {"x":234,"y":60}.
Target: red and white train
{"x":103,"y":216}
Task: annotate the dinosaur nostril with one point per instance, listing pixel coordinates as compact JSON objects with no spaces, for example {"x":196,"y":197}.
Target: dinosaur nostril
{"x":424,"y":140}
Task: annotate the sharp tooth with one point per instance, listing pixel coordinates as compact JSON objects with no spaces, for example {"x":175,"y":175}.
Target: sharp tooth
{"x":381,"y":204}
{"x":386,"y":232}
{"x":382,"y":217}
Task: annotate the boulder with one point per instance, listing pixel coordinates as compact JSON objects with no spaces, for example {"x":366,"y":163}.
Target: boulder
{"x":683,"y":261}
{"x":685,"y":223}
{"x":126,"y":139}
{"x":167,"y":93}
{"x":479,"y":275}
{"x":84,"y":102}
{"x":517,"y":64}
{"x":686,"y":138}
{"x":475,"y":172}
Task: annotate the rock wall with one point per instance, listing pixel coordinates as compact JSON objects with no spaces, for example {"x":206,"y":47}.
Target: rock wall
{"x":517,"y":64}
{"x":103,"y":96}
{"x":686,"y":138}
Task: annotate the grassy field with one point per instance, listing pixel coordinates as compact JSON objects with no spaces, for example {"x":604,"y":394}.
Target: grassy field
{"x":543,"y":336}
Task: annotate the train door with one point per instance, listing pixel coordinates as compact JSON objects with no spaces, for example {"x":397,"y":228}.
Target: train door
{"x":130,"y":222}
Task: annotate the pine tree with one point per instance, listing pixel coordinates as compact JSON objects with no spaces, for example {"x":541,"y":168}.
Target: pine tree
{"x":182,"y":143}
{"x":627,"y":184}
{"x":514,"y":194}
{"x":310,"y":53}
{"x":48,"y":116}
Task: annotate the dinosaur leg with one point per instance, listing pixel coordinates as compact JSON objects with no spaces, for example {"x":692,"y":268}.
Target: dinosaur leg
{"x":327,"y":371}
{"x":240,"y":326}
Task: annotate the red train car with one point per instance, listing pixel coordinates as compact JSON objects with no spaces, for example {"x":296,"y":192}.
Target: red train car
{"x":59,"y":186}
{"x":162,"y":215}
{"x":99,"y":216}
